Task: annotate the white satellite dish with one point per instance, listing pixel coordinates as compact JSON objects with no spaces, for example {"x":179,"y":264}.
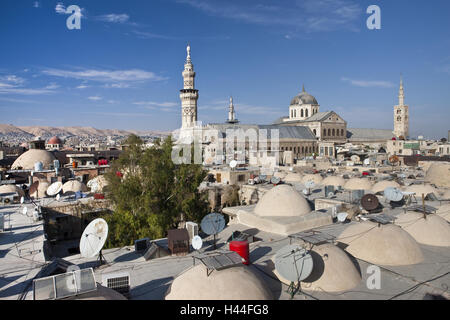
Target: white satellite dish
{"x":197,"y":243}
{"x":342,"y":216}
{"x":93,"y":239}
{"x":310,"y":184}
{"x":233,"y":164}
{"x":24,"y":211}
{"x":54,"y":188}
{"x":293,"y":263}
{"x":393,"y":194}
{"x":58,"y":197}
{"x":367,"y":161}
{"x":22,"y":200}
{"x":355,"y":158}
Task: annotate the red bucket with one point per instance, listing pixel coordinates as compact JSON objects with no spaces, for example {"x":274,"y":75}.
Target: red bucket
{"x":242,"y":248}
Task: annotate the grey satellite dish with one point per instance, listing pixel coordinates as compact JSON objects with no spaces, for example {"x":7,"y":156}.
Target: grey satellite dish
{"x":393,"y":194}
{"x":233,"y":164}
{"x":22,"y":200}
{"x":54,"y":188}
{"x":275,"y":180}
{"x":24,"y":211}
{"x":310,"y":184}
{"x":197,"y":243}
{"x":342,"y":216}
{"x":293,"y":263}
{"x":93,"y":239}
{"x":212,"y":224}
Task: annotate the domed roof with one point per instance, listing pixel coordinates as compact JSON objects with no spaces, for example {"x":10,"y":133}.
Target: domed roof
{"x":439,"y":174}
{"x":380,"y":186}
{"x":293,"y":177}
{"x":55,"y":140}
{"x":74,"y":186}
{"x":387,"y":244}
{"x":304,"y":98}
{"x":333,"y":181}
{"x":432,"y":231}
{"x":11,"y":188}
{"x":444,"y":211}
{"x":358,"y":184}
{"x":317,"y":178}
{"x":27,"y":160}
{"x":282,"y":201}
{"x":333,"y":270}
{"x":280,"y":174}
{"x":420,"y":189}
{"x":41,"y":191}
{"x":236,"y":283}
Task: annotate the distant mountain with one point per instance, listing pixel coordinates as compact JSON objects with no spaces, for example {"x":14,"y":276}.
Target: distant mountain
{"x":47,"y":132}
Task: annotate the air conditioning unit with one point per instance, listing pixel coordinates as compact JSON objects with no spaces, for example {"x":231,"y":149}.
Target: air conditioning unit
{"x":119,"y":282}
{"x":192,"y":229}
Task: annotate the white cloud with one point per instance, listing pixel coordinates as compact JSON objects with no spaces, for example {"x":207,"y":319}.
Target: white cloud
{"x":95,"y":98}
{"x":52,"y":86}
{"x":157,"y":104}
{"x":36,"y":4}
{"x":369,"y":83}
{"x":11,"y":84}
{"x":114,"y":18}
{"x":82,"y":86}
{"x":117,"y":85}
{"x":106,"y":75}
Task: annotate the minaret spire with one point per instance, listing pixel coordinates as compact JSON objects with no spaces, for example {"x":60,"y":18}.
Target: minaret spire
{"x":401,"y":93}
{"x":303,"y":88}
{"x":231,"y":112}
{"x":188,"y":95}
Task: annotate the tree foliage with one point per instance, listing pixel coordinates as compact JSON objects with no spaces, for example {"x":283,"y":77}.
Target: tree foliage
{"x":150,"y":193}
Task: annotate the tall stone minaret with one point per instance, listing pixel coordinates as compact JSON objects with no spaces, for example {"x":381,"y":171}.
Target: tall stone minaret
{"x":188,"y":95}
{"x":401,"y":115}
{"x":231,"y":113}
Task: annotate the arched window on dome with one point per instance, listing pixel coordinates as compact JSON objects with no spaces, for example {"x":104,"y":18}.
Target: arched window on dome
{"x":333,"y":133}
{"x":306,"y":113}
{"x":329,"y":132}
{"x":301,"y":113}
{"x":315,"y":132}
{"x":295,"y":113}
{"x":342,"y":132}
{"x":324,"y":132}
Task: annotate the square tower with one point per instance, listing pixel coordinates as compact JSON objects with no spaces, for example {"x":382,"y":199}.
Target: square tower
{"x":401,"y":115}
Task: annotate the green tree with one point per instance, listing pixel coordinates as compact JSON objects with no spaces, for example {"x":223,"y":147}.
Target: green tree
{"x":150,"y":192}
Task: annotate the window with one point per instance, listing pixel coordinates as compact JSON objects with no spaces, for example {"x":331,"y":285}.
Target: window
{"x":315,"y":132}
{"x":399,"y":118}
{"x":301,"y":114}
{"x":295,"y":113}
{"x":342,"y":132}
{"x":306,"y":113}
{"x":329,"y":132}
{"x":334,"y":133}
{"x":324,"y":132}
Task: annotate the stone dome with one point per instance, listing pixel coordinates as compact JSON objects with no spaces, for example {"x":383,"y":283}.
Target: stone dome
{"x":236,"y":283}
{"x":293,"y":177}
{"x":41,"y":191}
{"x":304,"y":98}
{"x":444,"y":211}
{"x":333,"y":270}
{"x":439,"y":174}
{"x":74,"y":186}
{"x":358,"y":184}
{"x":280,"y":174}
{"x":432,"y":231}
{"x":420,"y":189}
{"x":11,"y":188}
{"x":282,"y":201}
{"x":317,"y":178}
{"x":27,"y":160}
{"x":54,"y":140}
{"x":387,"y":245}
{"x":333,"y":181}
{"x":380,"y":186}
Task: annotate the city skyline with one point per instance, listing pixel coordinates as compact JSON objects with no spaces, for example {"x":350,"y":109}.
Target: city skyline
{"x":122,"y":70}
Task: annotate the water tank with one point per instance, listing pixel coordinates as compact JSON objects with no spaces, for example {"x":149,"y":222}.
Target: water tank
{"x":38,"y":166}
{"x":74,"y":164}
{"x":56,"y":164}
{"x":242,"y":248}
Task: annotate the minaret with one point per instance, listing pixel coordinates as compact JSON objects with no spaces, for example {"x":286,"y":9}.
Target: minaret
{"x":188,"y":95}
{"x":231,"y":113}
{"x":401,"y":115}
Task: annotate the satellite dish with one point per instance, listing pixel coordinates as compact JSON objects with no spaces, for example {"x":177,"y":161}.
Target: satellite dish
{"x":54,"y":189}
{"x":233,"y":164}
{"x":367,"y":161}
{"x":310,"y":184}
{"x":393,"y":194}
{"x":293,"y":263}
{"x":93,"y":238}
{"x":306,"y":192}
{"x":355,"y":158}
{"x":342,"y":216}
{"x":24,"y":211}
{"x":58,"y":197}
{"x":197,"y":243}
{"x":275,"y":180}
{"x":369,"y":202}
{"x":22,"y":200}
{"x":213,"y":223}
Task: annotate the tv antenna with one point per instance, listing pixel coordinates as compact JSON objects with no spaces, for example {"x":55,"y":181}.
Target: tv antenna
{"x":212,"y":224}
{"x":369,"y":202}
{"x":93,"y":239}
{"x":294,"y":264}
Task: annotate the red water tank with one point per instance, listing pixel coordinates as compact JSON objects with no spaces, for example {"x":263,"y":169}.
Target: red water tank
{"x":242,"y":248}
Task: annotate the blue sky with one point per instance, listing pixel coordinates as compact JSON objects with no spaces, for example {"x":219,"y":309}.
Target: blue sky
{"x":123,"y":68}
